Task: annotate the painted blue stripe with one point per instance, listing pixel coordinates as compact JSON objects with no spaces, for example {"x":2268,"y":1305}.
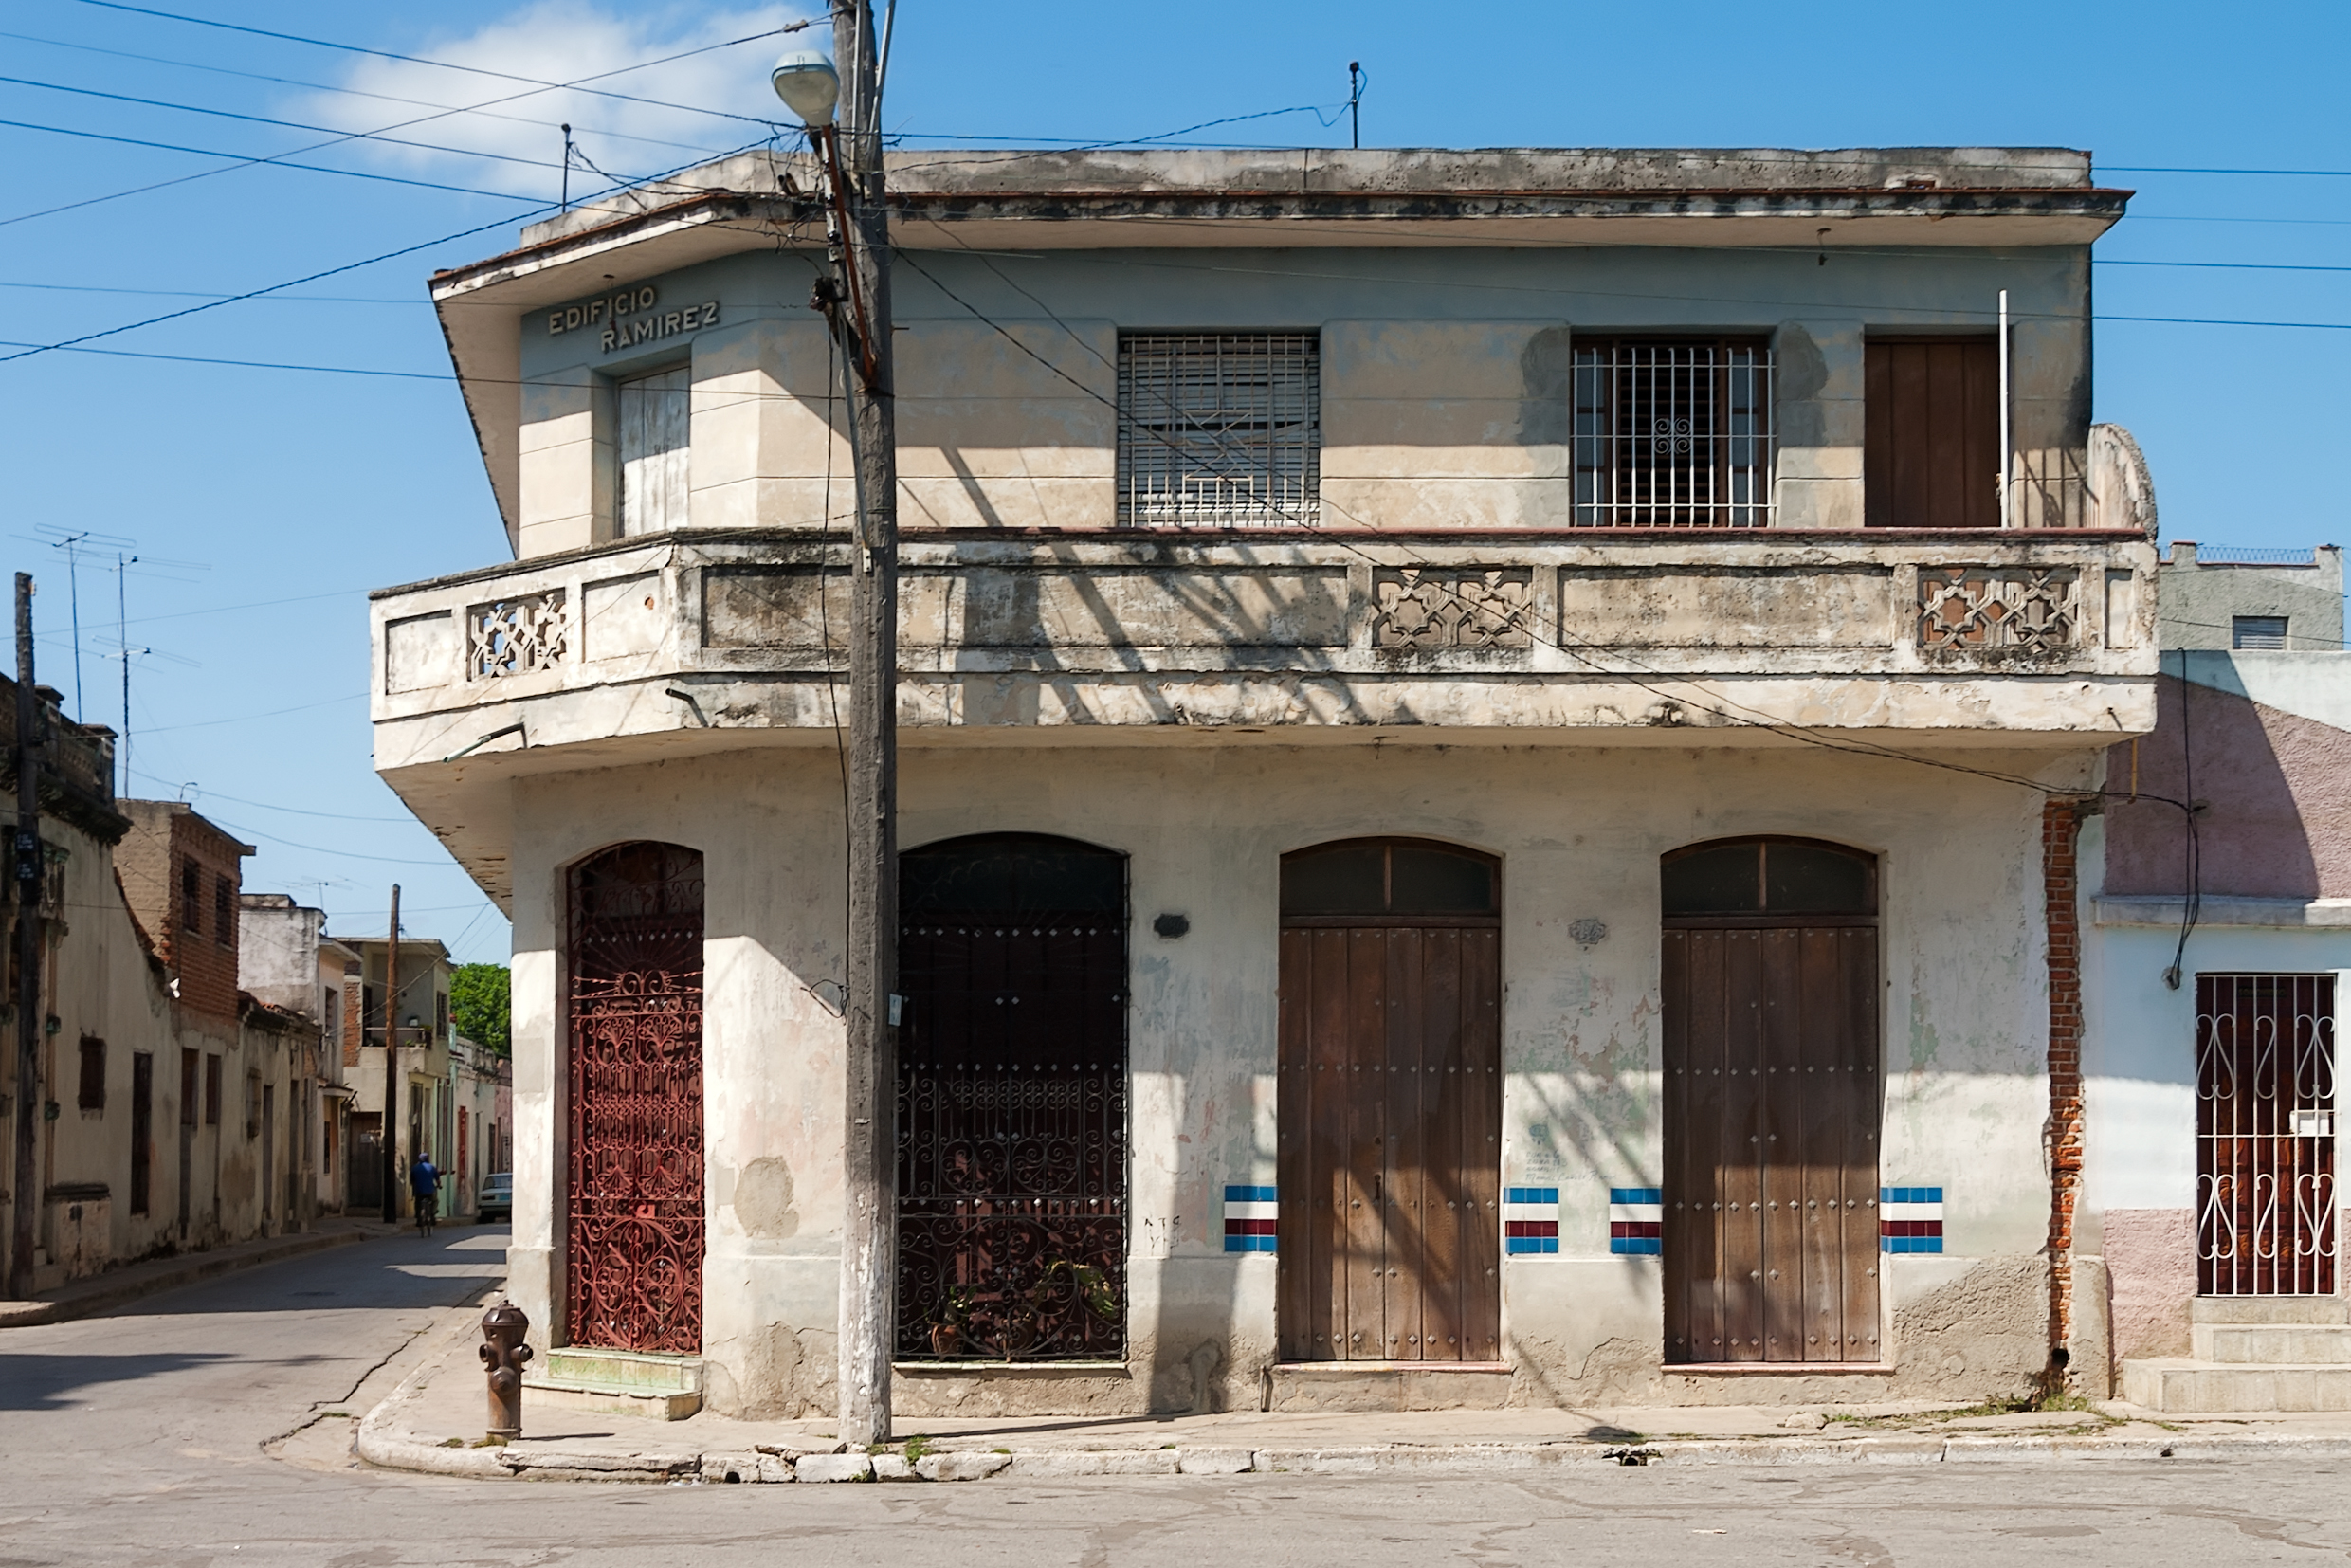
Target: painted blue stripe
{"x":1249,"y":1244}
{"x":1249,"y":1194}
{"x":1909,"y":1195}
{"x":1530,"y":1195}
{"x":1636,"y":1244}
{"x":1911,"y":1244}
{"x":1518,"y":1244}
{"x":1636,"y":1195}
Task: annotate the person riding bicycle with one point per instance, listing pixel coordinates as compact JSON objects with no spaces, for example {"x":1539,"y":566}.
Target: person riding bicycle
{"x":424,"y":1181}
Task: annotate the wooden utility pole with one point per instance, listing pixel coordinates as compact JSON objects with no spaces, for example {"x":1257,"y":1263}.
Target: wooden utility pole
{"x":868,"y":1322}
{"x":392,"y":1168}
{"x":25,"y":1212}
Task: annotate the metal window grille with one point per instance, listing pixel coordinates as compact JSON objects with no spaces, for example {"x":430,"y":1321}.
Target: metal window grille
{"x":2258,"y":632}
{"x":1673,"y":434}
{"x":1220,"y":429}
{"x":2265,"y":1058}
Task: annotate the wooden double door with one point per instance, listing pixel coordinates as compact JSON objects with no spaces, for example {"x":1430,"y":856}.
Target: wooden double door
{"x":1390,"y":1105}
{"x":1772,"y":1095}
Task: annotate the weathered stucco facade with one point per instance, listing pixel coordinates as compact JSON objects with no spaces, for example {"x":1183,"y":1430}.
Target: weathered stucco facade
{"x":1443,"y":650}
{"x":175,"y":1109}
{"x":2259,"y":742}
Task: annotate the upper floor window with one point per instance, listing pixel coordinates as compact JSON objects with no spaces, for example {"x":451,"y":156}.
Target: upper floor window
{"x":1219,"y":428}
{"x":224,"y":911}
{"x":1930,"y":451}
{"x":653,"y":419}
{"x":1674,"y":433}
{"x":2258,"y":632}
{"x":191,"y":897}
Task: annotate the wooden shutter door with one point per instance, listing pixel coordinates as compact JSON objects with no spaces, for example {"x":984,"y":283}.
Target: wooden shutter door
{"x":1930,"y":454}
{"x":1771,"y":1104}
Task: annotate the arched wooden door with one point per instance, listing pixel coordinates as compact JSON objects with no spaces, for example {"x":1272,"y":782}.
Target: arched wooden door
{"x":1012,"y":1101}
{"x":1390,"y":1104}
{"x":634,"y":1222}
{"x":1771,"y":1102}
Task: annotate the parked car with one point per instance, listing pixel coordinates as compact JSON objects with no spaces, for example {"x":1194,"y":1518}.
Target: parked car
{"x":497,"y":1196}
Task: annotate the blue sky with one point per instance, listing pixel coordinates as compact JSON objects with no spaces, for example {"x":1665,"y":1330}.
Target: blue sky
{"x":291,"y":493}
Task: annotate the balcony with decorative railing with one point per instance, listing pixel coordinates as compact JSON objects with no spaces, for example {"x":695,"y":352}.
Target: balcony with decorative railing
{"x":2002,"y":635}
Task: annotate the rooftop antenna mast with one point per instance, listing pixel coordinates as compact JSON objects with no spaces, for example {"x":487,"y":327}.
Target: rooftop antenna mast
{"x":126,"y":653}
{"x":73,"y":599}
{"x":567,"y":166}
{"x":1354,"y":103}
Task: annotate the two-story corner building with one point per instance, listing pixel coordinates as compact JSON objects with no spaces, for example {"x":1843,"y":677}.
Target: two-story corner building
{"x":2217,"y":951}
{"x":423,"y":1120}
{"x":1487,"y":758}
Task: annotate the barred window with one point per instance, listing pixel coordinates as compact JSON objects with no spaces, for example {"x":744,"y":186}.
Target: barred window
{"x":1219,"y":428}
{"x":1674,"y":433}
{"x":2256,"y":631}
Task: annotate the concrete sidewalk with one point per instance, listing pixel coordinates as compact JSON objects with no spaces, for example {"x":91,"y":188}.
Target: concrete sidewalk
{"x":432,"y":1421}
{"x":116,"y":1286}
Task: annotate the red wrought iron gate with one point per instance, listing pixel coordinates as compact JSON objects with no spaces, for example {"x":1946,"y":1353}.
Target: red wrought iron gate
{"x":2265,"y":1115}
{"x":634,"y":1230}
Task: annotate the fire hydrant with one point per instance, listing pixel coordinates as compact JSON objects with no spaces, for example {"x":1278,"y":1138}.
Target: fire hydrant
{"x":503,"y":1354}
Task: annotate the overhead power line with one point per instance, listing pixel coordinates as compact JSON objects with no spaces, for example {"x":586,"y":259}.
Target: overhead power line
{"x":356,"y":92}
{"x":284,"y":124}
{"x":473,"y":70}
{"x":577,"y":84}
{"x":243,"y":161}
{"x":292,"y":282}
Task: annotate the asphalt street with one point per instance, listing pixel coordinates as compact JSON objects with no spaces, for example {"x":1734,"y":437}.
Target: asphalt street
{"x":206,"y":1427}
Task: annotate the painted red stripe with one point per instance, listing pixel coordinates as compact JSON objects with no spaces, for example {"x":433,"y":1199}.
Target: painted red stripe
{"x":1910,"y":1228}
{"x":1249,"y":1227}
{"x":1633,"y":1228}
{"x":1530,"y":1227}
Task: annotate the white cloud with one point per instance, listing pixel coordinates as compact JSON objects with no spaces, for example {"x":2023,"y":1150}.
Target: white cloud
{"x":566,"y":40}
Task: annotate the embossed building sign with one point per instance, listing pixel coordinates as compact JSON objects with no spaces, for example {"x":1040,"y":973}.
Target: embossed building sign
{"x":629,"y":317}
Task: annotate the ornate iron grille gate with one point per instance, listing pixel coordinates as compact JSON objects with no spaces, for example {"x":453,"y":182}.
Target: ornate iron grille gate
{"x":1012,"y":1101}
{"x":2265,"y":1114}
{"x":635,"y":1194}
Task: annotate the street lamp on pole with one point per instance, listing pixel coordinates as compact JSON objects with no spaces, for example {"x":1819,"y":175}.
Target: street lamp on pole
{"x":855,"y":300}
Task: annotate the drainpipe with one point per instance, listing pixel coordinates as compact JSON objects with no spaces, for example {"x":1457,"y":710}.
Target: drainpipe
{"x":2007,"y":442}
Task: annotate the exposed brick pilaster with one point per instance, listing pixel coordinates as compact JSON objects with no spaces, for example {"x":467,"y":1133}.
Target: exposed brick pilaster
{"x":2061,"y":820}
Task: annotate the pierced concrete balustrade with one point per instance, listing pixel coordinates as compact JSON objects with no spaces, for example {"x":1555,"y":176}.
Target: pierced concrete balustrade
{"x":1979,"y":634}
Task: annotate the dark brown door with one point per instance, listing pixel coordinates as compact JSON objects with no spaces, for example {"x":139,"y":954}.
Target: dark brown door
{"x":1389,"y":1104}
{"x":634,"y":1223}
{"x":143,"y":1131}
{"x":1012,"y":1101}
{"x":2265,"y":1112}
{"x":187,"y":1133}
{"x":1931,"y":442}
{"x":1770,"y":974}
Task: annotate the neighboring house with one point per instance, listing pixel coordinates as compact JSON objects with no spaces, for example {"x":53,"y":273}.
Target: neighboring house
{"x":425,"y":1116}
{"x":246,"y":1069}
{"x":480,"y":1087}
{"x":286,"y":960}
{"x":1488,"y":805}
{"x":170,"y":1097}
{"x":2214,"y":960}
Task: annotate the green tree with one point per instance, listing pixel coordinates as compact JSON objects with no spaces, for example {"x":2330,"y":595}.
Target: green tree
{"x":481,"y":1001}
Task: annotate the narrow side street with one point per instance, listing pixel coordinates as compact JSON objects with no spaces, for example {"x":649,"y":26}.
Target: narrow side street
{"x":174,"y":1402}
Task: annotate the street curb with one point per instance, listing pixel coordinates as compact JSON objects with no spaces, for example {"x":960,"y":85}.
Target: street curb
{"x":524,"y":1462}
{"x":196,"y":1267}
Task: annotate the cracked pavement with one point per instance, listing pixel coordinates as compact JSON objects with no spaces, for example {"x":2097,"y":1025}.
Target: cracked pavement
{"x":211,"y":1426}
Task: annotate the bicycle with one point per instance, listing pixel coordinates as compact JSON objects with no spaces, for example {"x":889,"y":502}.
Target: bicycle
{"x":426,"y":1204}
